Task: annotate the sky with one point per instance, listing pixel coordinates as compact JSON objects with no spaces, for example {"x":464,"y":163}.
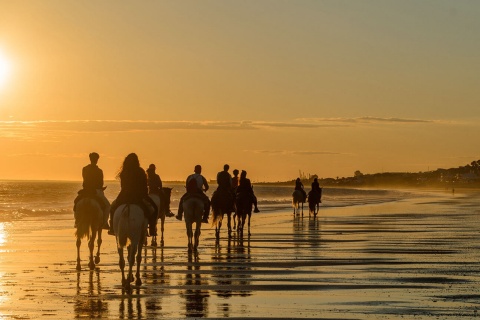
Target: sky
{"x":271,"y":87}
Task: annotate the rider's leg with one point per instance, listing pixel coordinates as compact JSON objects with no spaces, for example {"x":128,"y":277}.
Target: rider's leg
{"x":255,"y":203}
{"x":179,"y":215}
{"x":113,"y":207}
{"x":206,"y":208}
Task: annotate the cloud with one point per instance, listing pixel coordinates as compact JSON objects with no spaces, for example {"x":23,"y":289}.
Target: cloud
{"x":17,"y":128}
{"x":294,"y":153}
{"x":370,"y":120}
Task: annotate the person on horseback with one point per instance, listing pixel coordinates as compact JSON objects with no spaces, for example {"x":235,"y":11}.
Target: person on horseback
{"x":235,"y":180}
{"x":316,"y":189}
{"x":134,"y":190}
{"x":299,"y":186}
{"x":196,"y":185}
{"x":93,"y":187}
{"x":225,"y":189}
{"x":155,"y":186}
{"x":245,"y":186}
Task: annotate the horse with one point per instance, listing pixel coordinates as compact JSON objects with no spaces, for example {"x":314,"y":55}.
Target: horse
{"x":193,"y":207}
{"x":222,"y":203}
{"x":298,"y":199}
{"x":243,"y":208}
{"x":130,"y":225}
{"x":314,"y":199}
{"x":163,"y":209}
{"x":89,"y":222}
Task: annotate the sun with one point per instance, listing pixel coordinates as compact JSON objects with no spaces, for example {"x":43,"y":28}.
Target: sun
{"x":5,"y":68}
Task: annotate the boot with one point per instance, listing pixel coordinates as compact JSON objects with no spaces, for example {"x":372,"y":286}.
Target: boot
{"x":110,"y":229}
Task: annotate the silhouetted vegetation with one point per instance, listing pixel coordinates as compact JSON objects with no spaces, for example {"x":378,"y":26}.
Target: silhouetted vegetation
{"x":463,"y":176}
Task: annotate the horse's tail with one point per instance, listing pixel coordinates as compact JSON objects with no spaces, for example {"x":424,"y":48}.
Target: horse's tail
{"x":123,"y":226}
{"x":216,"y":215}
{"x":85,"y":217}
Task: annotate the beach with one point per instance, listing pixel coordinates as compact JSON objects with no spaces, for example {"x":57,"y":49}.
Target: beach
{"x":413,"y":258}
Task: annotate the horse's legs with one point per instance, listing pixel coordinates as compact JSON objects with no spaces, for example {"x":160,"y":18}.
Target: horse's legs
{"x":121,"y":264}
{"x":91,"y":247}
{"x":189,"y":235}
{"x":218,"y":226}
{"x":99,"y":244}
{"x":229,"y":224}
{"x":162,"y":228}
{"x":198,"y":227}
{"x":139,"y":260}
{"x":79,"y":242}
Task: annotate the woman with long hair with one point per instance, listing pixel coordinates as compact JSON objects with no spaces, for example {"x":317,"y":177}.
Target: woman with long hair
{"x":134,"y":190}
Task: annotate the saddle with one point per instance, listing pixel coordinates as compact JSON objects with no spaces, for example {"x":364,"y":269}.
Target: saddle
{"x":92,"y":194}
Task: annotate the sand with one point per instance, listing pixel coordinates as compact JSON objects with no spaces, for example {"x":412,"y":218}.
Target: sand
{"x":415,"y":258}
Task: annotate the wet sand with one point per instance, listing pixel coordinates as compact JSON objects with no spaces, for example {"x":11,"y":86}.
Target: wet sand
{"x":415,"y":258}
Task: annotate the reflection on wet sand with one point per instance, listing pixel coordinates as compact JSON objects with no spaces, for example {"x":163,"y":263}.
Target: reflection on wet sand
{"x":194,"y":293}
{"x":90,"y":304}
{"x":231,"y":271}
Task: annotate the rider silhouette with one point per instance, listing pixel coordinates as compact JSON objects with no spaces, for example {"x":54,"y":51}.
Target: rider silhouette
{"x":93,"y":187}
{"x":155,"y":186}
{"x":245,"y":186}
{"x":134,"y":190}
{"x":225,"y":189}
{"x":197,"y":189}
{"x":299,"y":186}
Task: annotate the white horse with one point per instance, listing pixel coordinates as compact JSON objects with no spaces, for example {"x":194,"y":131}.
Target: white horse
{"x":89,"y":222}
{"x":193,"y":211}
{"x":298,"y":199}
{"x":130,"y":226}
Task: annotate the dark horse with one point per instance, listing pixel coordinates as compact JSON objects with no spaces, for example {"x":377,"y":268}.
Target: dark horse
{"x":243,"y":208}
{"x":163,"y":206}
{"x":222,"y":203}
{"x":314,"y":200}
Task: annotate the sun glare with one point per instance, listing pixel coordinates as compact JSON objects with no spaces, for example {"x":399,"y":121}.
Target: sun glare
{"x":5,"y":68}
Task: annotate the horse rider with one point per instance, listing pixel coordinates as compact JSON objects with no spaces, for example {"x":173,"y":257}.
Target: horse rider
{"x":299,"y":187}
{"x":155,"y":186}
{"x":134,"y":190}
{"x":196,"y":189}
{"x":316,"y":189}
{"x":245,"y":186}
{"x":224,"y":181}
{"x":93,"y":187}
{"x":235,"y":180}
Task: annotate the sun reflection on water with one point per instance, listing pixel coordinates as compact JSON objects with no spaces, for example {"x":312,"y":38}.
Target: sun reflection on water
{"x":3,"y":234}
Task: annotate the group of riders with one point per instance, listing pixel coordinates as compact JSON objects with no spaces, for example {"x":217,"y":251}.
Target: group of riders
{"x":315,"y":194}
{"x":136,"y":184}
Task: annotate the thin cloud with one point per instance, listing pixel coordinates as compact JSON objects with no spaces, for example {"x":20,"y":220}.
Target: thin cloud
{"x":18,"y":128}
{"x":295,"y":153}
{"x":369,"y":120}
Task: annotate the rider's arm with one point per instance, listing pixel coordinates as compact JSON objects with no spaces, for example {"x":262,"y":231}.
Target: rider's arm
{"x":205,"y":184}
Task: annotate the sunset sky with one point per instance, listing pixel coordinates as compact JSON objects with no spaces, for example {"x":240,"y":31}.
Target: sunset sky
{"x":272,"y":87}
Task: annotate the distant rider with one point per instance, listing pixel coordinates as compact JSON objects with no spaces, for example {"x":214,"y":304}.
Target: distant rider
{"x":224,"y":190}
{"x":155,"y":186}
{"x":316,"y":190}
{"x":198,"y":188}
{"x":299,"y":187}
{"x":245,"y":186}
{"x":93,"y":187}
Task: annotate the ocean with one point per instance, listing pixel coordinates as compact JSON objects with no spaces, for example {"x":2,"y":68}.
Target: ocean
{"x":31,"y":199}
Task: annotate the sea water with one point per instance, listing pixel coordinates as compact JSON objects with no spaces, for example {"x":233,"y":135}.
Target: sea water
{"x":31,"y":199}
